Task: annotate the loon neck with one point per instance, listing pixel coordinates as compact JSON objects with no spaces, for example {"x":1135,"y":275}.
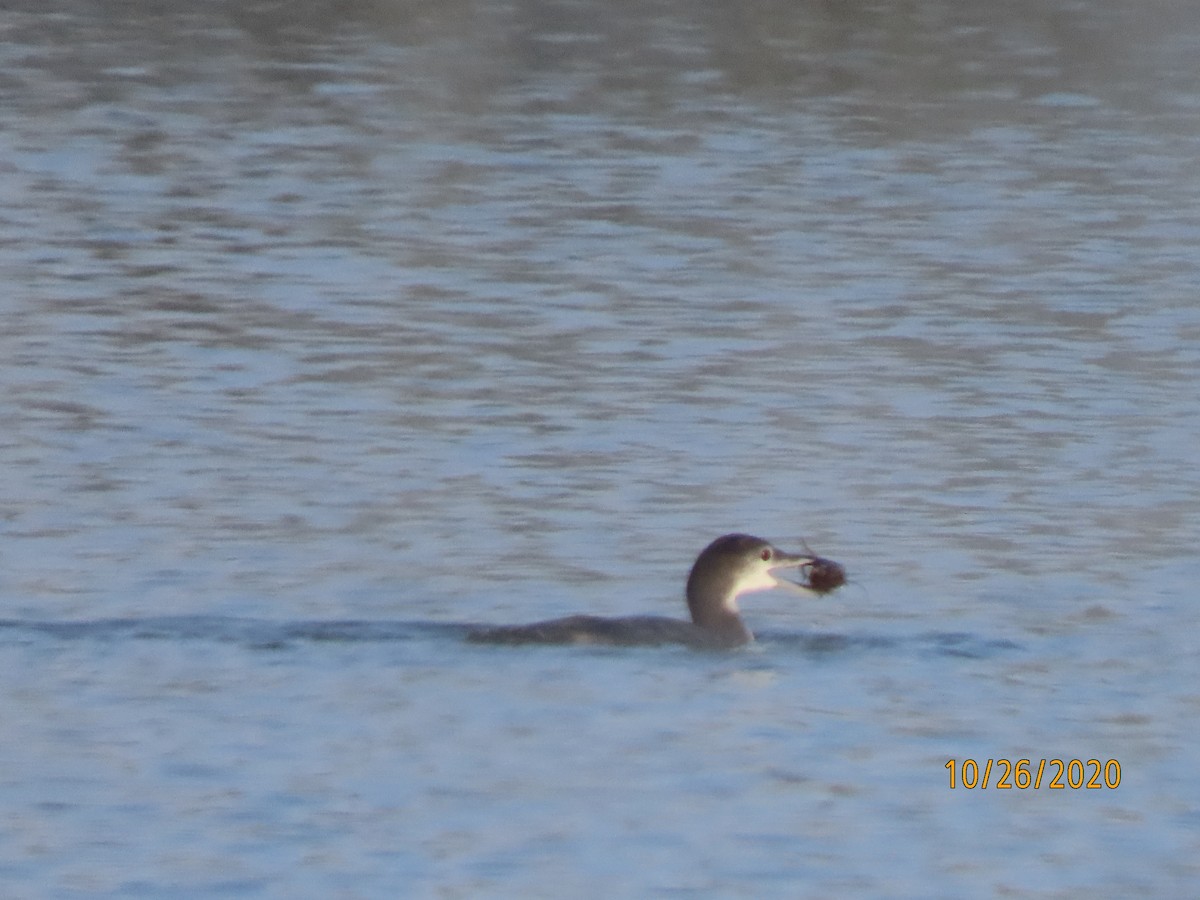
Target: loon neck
{"x":712,"y":592}
{"x":727,"y":626}
{"x":717,"y":612}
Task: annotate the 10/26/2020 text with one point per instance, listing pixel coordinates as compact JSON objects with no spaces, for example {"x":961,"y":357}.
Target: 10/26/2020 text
{"x":1055,"y":774}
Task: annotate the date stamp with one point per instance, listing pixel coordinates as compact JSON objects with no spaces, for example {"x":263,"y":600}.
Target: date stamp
{"x":1024,"y":774}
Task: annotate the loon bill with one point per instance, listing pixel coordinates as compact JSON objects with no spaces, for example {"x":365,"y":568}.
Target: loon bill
{"x":731,"y":566}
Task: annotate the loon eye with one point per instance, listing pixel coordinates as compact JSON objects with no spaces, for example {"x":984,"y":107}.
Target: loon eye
{"x":766,"y":555}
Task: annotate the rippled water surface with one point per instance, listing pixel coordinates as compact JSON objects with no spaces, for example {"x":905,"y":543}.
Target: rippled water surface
{"x":330,"y":328}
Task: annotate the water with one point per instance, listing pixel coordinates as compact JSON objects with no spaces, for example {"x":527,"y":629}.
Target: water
{"x":330,"y":328}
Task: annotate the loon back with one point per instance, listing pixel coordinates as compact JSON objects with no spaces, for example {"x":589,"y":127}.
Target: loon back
{"x":627,"y":631}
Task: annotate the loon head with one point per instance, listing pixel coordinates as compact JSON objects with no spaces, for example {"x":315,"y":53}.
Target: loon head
{"x":733,"y":565}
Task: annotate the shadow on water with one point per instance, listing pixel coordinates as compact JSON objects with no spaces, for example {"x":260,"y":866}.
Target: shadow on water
{"x":261,"y":634}
{"x":267,"y":634}
{"x":936,"y":643}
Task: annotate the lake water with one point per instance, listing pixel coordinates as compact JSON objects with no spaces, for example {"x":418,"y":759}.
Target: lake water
{"x":329,"y":328}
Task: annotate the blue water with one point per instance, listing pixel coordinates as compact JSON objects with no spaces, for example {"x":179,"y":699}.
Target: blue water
{"x":329,"y":329}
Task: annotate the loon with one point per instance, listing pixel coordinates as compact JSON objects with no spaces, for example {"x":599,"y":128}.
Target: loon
{"x":728,"y":568}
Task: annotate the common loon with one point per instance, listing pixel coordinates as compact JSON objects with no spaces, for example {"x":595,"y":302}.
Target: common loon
{"x":729,"y":567}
